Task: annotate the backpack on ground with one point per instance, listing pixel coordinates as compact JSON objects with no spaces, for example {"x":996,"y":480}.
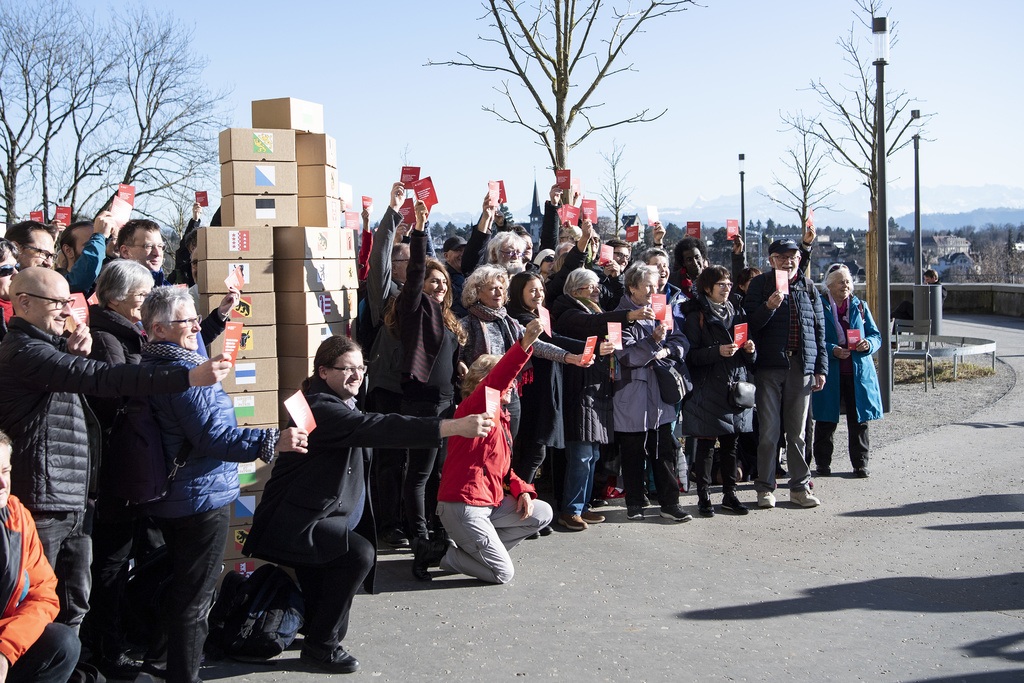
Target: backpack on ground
{"x":255,"y":618}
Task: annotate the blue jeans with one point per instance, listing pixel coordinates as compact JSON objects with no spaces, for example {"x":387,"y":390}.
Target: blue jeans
{"x":580,"y":461}
{"x":68,"y":549}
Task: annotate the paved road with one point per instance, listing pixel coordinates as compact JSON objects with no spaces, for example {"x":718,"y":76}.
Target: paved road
{"x":912,"y":575}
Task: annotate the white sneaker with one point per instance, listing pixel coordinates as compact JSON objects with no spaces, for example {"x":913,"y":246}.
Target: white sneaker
{"x":765,"y":499}
{"x":804,"y":499}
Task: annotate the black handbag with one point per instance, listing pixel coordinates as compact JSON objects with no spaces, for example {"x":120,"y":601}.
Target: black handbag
{"x":741,"y":394}
{"x":671,"y":384}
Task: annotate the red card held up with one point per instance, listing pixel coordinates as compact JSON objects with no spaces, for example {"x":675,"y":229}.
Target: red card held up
{"x":607,"y":254}
{"x":739,"y":334}
{"x":659,"y":305}
{"x":351,"y":220}
{"x":232,"y":340}
{"x":408,"y":212}
{"x":563,"y":178}
{"x":810,"y":218}
{"x":589,"y":207}
{"x":93,"y":300}
{"x":545,"y":319}
{"x":80,"y":308}
{"x":121,"y":211}
{"x":236,"y":280}
{"x":424,"y":190}
{"x":633,"y":233}
{"x":202,"y":198}
{"x":492,"y":402}
{"x":367,"y":202}
{"x":852,"y":339}
{"x":63,"y":214}
{"x":127,"y":193}
{"x":693,"y":229}
{"x":502,"y":199}
{"x":588,"y":350}
{"x":571,"y":213}
{"x":652,"y":215}
{"x":732,"y":228}
{"x":36,"y":216}
{"x":493,"y":193}
{"x":298,"y":409}
{"x":615,"y":335}
{"x":410,"y":174}
{"x":782,"y":280}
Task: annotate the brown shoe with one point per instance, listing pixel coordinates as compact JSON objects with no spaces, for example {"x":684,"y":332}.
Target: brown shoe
{"x":592,"y":517}
{"x":572,"y":522}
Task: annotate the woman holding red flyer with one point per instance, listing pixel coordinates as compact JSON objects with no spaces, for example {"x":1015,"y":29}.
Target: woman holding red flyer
{"x":851,"y":337}
{"x":484,"y":520}
{"x":719,"y":359}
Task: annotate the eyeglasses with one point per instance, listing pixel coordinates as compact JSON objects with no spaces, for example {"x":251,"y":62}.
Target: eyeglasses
{"x":511,"y":254}
{"x":350,"y":369}
{"x":191,"y":322}
{"x":59,"y":303}
{"x":620,"y":257}
{"x":784,"y":257}
{"x":589,"y":288}
{"x":151,"y":246}
{"x":137,"y":295}
{"x":723,"y":285}
{"x":47,"y":255}
{"x":6,"y":271}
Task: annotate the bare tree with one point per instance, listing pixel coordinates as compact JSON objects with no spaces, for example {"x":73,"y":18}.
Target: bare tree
{"x":615,"y":193}
{"x":806,"y":161}
{"x":547,"y":44}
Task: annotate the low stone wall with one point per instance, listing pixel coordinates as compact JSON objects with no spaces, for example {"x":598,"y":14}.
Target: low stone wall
{"x":998,"y":299}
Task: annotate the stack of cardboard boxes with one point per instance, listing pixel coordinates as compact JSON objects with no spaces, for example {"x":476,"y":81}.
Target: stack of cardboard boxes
{"x":283,"y":225}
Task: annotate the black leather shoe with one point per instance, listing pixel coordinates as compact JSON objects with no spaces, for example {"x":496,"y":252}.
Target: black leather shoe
{"x":705,"y":508}
{"x":731,"y":503}
{"x":422,"y":554}
{"x":336,"y":661}
{"x":395,"y":538}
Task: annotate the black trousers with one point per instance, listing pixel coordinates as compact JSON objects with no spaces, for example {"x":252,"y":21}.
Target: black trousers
{"x":825,"y":431}
{"x":51,"y":659}
{"x":655,"y":448}
{"x":387,"y":473}
{"x":195,"y":545}
{"x":328,"y":590}
{"x":704,"y":459}
{"x":68,"y":549}
{"x":416,"y":495}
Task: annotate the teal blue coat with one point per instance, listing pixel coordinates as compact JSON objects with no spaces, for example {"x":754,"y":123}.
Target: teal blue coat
{"x":825,"y":403}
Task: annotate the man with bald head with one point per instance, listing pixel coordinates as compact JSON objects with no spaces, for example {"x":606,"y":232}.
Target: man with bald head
{"x":55,"y":435}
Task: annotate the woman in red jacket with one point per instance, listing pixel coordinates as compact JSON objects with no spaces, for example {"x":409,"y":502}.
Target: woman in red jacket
{"x":485,"y":508}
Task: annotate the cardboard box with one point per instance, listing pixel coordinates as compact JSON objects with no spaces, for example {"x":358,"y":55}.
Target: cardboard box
{"x":257,"y":275}
{"x":319,"y":211}
{"x":292,"y":371}
{"x":243,"y":507}
{"x":237,"y":534}
{"x":315,"y":275}
{"x":253,"y":476}
{"x":303,"y":340}
{"x":255,"y":408}
{"x":305,"y":243}
{"x":316,"y":149}
{"x":234,"y":243}
{"x":288,"y":112}
{"x":255,"y":308}
{"x":252,"y":144}
{"x":259,"y":177}
{"x":311,"y":308}
{"x":245,"y":567}
{"x":318,"y":181}
{"x":249,"y":375}
{"x":258,"y":341}
{"x":247,"y":210}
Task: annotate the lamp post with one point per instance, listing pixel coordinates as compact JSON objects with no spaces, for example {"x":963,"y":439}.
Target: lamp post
{"x":743,"y":213}
{"x":880,"y":31}
{"x":918,"y":254}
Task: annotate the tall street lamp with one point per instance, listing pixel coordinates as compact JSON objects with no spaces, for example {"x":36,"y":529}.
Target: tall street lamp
{"x":880,"y":31}
{"x":918,"y":254}
{"x":743,"y":213}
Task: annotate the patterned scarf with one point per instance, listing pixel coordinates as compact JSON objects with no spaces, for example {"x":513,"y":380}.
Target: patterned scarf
{"x":173,"y":352}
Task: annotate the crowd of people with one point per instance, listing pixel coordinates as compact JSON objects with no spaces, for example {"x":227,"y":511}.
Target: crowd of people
{"x":489,"y":395}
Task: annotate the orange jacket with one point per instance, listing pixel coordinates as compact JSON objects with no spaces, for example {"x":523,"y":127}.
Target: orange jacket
{"x":475,"y":469}
{"x":30,"y":587}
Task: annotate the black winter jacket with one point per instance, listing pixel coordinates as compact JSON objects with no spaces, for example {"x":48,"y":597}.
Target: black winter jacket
{"x":55,"y":434}
{"x":770,"y":329}
{"x":707,"y":411}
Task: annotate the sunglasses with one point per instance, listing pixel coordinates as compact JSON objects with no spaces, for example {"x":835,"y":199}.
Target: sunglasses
{"x":6,"y":271}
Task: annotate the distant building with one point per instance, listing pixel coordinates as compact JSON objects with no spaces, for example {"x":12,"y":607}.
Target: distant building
{"x":536,"y":215}
{"x":947,"y":245}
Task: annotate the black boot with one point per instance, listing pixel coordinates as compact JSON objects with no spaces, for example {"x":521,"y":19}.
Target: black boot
{"x":731,"y":503}
{"x":420,"y":563}
{"x":704,"y":506}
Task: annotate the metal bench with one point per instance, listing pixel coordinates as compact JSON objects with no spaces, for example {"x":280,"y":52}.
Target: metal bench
{"x":913,"y":341}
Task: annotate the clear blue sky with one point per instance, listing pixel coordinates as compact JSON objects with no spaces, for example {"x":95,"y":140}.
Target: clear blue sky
{"x":724,"y":72}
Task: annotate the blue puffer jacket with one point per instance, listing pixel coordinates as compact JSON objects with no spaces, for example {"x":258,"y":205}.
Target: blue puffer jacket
{"x":866,"y":390}
{"x":770,"y":329}
{"x":205,"y":417}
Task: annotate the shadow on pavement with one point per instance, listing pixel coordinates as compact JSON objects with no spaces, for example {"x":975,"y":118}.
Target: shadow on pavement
{"x":979,"y":526}
{"x":986,"y":676}
{"x":999,"y":502}
{"x":907,"y":594}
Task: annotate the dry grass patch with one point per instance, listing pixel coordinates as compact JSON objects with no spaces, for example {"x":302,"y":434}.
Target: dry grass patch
{"x":909,"y":372}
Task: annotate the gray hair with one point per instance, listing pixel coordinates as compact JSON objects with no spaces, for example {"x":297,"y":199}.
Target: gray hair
{"x":581,"y":277}
{"x":835,"y":272}
{"x":503,"y":241}
{"x":160,"y":304}
{"x":637,"y":273}
{"x":651,"y":253}
{"x":483,"y":275}
{"x":120,"y":277}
